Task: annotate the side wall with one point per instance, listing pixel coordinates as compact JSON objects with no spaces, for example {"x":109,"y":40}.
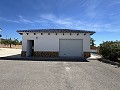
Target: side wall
{"x":50,"y":42}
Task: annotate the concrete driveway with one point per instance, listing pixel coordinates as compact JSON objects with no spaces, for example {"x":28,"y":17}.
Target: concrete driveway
{"x":55,"y":75}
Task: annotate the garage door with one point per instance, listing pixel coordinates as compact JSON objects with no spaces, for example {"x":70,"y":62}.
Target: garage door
{"x":70,"y":47}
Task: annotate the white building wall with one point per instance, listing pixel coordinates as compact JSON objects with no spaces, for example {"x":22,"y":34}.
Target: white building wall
{"x":86,"y":43}
{"x":24,"y":42}
{"x":50,"y":42}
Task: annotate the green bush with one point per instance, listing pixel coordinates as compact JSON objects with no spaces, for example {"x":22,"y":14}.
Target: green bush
{"x":110,"y":50}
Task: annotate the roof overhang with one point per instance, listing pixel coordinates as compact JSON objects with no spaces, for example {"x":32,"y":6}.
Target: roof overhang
{"x":54,"y":31}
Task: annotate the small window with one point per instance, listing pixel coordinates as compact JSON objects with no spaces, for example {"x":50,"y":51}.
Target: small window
{"x":34,"y":33}
{"x":84,"y":33}
{"x":63,"y":33}
{"x":56,"y":33}
{"x":27,"y":33}
{"x":48,"y":33}
{"x":77,"y":33}
{"x":70,"y":33}
{"x":41,"y":33}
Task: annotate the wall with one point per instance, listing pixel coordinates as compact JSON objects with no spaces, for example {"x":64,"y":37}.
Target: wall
{"x":50,"y":42}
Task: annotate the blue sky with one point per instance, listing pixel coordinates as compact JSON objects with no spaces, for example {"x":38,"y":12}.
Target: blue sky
{"x":102,"y":16}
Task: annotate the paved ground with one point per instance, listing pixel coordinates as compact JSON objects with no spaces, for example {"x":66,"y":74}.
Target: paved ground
{"x":55,"y":75}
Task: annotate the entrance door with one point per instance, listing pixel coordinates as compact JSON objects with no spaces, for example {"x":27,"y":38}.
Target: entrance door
{"x":30,"y":47}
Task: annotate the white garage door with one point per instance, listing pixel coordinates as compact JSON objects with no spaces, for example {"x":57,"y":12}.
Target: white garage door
{"x":70,"y":47}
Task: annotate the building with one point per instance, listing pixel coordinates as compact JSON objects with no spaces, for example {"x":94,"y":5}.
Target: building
{"x":55,"y":42}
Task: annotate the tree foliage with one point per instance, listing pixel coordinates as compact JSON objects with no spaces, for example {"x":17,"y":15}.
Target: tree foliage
{"x":110,"y":50}
{"x":15,"y":41}
{"x":11,"y":42}
{"x":92,"y":42}
{"x":5,"y":42}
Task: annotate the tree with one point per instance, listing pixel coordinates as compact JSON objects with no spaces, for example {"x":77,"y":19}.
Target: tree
{"x":11,"y":42}
{"x":15,"y":41}
{"x":5,"y":41}
{"x":110,"y":50}
{"x":0,"y":30}
{"x":20,"y":43}
{"x":92,"y":42}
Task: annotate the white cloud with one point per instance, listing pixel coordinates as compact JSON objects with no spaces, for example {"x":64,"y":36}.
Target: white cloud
{"x":65,"y":22}
{"x":22,"y":19}
{"x":90,"y":9}
{"x":57,"y":20}
{"x":53,"y":21}
{"x":8,"y":20}
{"x":50,"y":17}
{"x":71,"y":23}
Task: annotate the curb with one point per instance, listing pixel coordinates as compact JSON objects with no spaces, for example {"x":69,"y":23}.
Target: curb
{"x":108,"y":61}
{"x":44,"y":59}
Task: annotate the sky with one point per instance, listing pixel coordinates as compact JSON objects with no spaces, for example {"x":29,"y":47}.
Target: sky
{"x":101,"y":16}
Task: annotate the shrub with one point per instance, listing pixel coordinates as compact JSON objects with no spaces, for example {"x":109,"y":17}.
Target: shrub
{"x":110,"y":50}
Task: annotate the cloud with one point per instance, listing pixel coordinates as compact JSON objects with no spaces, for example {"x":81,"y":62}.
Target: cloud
{"x":71,"y":23}
{"x":50,"y":17}
{"x":30,"y":21}
{"x":53,"y":21}
{"x":65,"y":22}
{"x":22,"y":19}
{"x":8,"y":20}
{"x":56,"y":20}
{"x":90,"y":8}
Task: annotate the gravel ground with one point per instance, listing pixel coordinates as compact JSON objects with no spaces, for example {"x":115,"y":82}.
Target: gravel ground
{"x":55,"y":75}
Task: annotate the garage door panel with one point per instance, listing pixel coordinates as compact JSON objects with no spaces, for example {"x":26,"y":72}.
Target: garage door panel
{"x":70,"y":47}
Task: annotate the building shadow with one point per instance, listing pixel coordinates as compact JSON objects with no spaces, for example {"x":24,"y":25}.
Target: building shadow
{"x":51,"y":59}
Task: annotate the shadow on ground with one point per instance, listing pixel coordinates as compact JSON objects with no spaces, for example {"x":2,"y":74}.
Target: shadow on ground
{"x":59,"y":59}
